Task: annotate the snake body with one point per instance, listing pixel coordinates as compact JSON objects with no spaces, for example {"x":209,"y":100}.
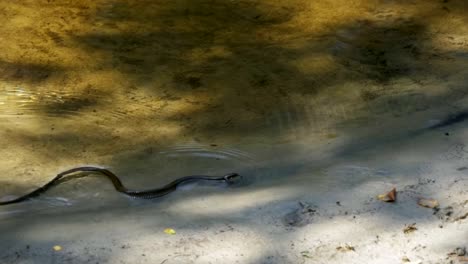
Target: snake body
{"x":144,"y":194}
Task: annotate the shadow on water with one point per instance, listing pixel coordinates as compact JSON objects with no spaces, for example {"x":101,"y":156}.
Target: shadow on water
{"x":221,"y":54}
{"x":184,"y":50}
{"x":451,"y":120}
{"x":81,"y":221}
{"x":217,"y":69}
{"x":150,"y":217}
{"x":27,"y":72}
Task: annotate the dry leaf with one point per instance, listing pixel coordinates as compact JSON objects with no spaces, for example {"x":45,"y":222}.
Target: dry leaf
{"x":345,"y":248}
{"x":169,"y":231}
{"x":429,"y":203}
{"x":57,"y":248}
{"x":409,"y":229}
{"x":405,"y":259}
{"x":389,"y":197}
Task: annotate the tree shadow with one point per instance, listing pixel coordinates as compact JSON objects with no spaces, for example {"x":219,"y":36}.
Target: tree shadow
{"x":27,"y":72}
{"x":236,"y":65}
{"x":247,"y":216}
{"x":222,"y":53}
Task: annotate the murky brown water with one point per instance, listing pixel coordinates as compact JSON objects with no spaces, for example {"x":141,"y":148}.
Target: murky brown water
{"x":155,"y":90}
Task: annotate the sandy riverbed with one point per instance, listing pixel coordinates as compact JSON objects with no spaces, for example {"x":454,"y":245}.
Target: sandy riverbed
{"x":321,"y":106}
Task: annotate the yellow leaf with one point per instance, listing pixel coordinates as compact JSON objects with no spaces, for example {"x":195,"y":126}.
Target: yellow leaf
{"x":57,"y":248}
{"x":169,"y":231}
{"x":390,"y":197}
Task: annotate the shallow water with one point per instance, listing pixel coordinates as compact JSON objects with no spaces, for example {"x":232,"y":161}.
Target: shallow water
{"x":279,"y":92}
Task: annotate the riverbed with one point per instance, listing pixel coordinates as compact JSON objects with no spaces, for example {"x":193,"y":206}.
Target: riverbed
{"x":320,"y":106}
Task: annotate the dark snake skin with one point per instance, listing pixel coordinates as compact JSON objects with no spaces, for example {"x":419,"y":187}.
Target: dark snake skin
{"x":144,"y":194}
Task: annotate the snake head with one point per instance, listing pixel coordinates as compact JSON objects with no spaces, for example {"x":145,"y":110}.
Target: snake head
{"x":230,"y":177}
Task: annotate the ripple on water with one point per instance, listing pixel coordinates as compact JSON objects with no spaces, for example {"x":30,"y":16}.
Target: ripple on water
{"x":208,"y":151}
{"x":22,"y":101}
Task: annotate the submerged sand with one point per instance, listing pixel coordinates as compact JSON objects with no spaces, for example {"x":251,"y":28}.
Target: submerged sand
{"x":336,"y":218}
{"x":321,"y":106}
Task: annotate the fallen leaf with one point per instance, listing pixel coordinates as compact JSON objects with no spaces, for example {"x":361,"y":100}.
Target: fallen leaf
{"x":169,"y":231}
{"x":405,"y":259}
{"x":57,"y":248}
{"x":410,"y":228}
{"x":389,"y":197}
{"x":345,"y":248}
{"x":429,"y":203}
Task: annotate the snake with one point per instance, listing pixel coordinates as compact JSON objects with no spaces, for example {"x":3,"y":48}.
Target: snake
{"x":144,"y":194}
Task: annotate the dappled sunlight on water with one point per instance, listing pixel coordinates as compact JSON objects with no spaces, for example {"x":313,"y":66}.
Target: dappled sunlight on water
{"x":281,"y":92}
{"x":97,"y":79}
{"x":84,"y":82}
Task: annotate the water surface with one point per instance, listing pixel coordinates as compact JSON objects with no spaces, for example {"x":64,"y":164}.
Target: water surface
{"x":156,"y":90}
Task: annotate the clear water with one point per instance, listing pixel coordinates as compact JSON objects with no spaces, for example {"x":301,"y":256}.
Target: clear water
{"x":155,"y":90}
